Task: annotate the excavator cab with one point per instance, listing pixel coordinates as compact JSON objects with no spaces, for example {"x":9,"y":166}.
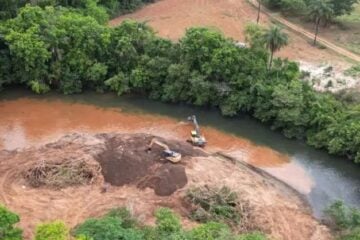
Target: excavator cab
{"x":197,"y":139}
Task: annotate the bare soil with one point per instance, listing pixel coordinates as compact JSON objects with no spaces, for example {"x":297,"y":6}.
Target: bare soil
{"x":170,"y":18}
{"x":276,"y":208}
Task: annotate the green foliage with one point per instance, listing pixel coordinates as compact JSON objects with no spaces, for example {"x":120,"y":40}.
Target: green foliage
{"x":212,"y":231}
{"x":274,"y":39}
{"x":293,"y":7}
{"x":119,"y":225}
{"x":353,"y":71}
{"x":166,"y":221}
{"x":254,"y":35}
{"x":301,"y":7}
{"x":107,"y":228}
{"x":345,"y":219}
{"x":321,"y":10}
{"x":343,"y":7}
{"x":52,"y":231}
{"x":7,"y":229}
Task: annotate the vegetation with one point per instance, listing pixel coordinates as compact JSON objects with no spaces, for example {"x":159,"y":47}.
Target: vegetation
{"x":64,"y":49}
{"x":10,"y":8}
{"x":7,"y":229}
{"x":320,"y":10}
{"x":338,"y":8}
{"x":52,"y":231}
{"x":168,"y":226}
{"x":346,"y":220}
{"x":275,"y":39}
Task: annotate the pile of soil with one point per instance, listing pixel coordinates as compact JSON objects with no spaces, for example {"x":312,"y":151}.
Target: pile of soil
{"x":166,"y":179}
{"x":126,"y":160}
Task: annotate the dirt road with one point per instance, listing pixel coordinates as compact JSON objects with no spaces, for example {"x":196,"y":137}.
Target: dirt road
{"x":311,"y":36}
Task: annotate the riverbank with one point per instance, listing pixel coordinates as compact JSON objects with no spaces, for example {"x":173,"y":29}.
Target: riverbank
{"x":275,"y":209}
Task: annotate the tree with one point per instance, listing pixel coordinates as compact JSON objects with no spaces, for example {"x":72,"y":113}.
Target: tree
{"x":343,"y":7}
{"x":320,"y":10}
{"x":275,"y":39}
{"x":7,"y":229}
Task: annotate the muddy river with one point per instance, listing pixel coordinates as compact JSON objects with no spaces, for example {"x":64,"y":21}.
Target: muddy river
{"x":27,"y":119}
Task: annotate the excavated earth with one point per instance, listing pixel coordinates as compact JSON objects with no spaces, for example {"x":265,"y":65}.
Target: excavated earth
{"x":142,"y":181}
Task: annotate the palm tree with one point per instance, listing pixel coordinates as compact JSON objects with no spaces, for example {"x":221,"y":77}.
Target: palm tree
{"x":320,"y":10}
{"x":259,"y":10}
{"x":275,"y":39}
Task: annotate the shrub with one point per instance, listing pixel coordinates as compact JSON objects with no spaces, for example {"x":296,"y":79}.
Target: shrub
{"x":346,"y":220}
{"x":52,"y":231}
{"x":166,"y":221}
{"x":291,"y":7}
{"x":7,"y":229}
{"x":107,"y":228}
{"x":211,"y":231}
{"x":344,"y":217}
{"x":128,"y":221}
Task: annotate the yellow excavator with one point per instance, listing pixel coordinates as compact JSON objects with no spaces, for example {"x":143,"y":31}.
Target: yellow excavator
{"x":168,"y":154}
{"x":196,"y":138}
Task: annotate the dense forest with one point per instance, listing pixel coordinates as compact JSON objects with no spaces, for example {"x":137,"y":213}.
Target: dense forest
{"x":67,"y":46}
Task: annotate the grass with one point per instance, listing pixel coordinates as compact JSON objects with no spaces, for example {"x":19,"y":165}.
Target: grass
{"x":353,"y":17}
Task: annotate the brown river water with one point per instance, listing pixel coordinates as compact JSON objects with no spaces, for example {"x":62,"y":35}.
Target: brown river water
{"x":31,"y":120}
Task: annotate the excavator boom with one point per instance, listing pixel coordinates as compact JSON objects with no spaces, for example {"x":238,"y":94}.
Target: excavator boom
{"x":196,"y":138}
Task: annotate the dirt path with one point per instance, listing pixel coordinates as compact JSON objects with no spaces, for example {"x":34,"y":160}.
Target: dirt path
{"x":276,"y":210}
{"x":311,"y":36}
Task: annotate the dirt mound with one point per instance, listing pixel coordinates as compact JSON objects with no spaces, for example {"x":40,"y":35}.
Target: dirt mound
{"x":126,"y":160}
{"x":166,"y":179}
{"x":60,"y":174}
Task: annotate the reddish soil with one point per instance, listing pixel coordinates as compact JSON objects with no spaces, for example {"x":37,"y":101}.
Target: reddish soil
{"x":170,"y":18}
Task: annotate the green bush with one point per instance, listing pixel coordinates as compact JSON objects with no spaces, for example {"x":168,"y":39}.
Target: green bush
{"x":345,"y":219}
{"x":7,"y":229}
{"x":52,"y":231}
{"x":293,"y":7}
{"x":107,"y":228}
{"x":168,"y":227}
{"x":212,"y":231}
{"x":166,"y":221}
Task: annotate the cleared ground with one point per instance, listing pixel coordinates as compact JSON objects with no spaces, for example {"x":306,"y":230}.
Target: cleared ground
{"x":170,"y":18}
{"x":276,"y":209}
